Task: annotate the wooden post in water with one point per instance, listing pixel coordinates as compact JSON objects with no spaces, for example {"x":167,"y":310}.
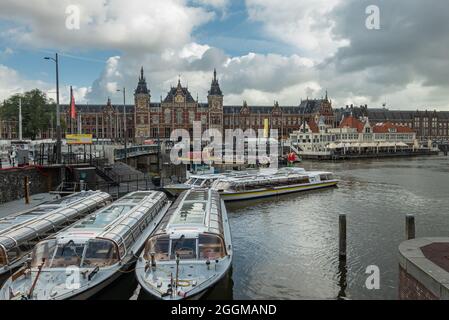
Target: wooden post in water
{"x":410,"y":226}
{"x":26,"y":182}
{"x":342,"y":236}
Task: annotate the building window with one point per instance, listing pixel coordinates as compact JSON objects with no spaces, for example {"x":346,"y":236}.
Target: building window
{"x":179,"y":117}
{"x":167,"y":116}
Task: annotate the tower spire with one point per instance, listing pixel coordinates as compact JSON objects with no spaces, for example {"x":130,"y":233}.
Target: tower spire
{"x":142,"y":84}
{"x":215,"y":86}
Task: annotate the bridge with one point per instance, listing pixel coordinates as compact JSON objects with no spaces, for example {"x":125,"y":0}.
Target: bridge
{"x":135,"y":151}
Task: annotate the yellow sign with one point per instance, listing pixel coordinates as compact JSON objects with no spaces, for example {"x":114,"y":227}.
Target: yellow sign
{"x":78,"y":138}
{"x":265,"y":128}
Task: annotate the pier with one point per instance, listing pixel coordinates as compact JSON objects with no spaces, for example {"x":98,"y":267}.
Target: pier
{"x":424,"y":269}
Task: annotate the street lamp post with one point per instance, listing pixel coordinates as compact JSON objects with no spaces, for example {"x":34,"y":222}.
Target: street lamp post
{"x":58,"y":117}
{"x":124,"y":124}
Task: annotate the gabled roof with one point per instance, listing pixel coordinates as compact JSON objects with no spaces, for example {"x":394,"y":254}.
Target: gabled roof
{"x":352,"y":122}
{"x":181,"y":90}
{"x":385,"y":127}
{"x":313,"y":126}
{"x":311,"y":106}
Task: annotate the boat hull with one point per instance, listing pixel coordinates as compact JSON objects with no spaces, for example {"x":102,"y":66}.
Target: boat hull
{"x":194,"y":296}
{"x":247,"y":195}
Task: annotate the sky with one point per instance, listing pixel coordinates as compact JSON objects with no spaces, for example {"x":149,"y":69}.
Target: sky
{"x":263,"y":50}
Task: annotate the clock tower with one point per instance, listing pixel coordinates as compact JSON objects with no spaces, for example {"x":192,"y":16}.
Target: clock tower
{"x":215,"y":102}
{"x":142,"y":109}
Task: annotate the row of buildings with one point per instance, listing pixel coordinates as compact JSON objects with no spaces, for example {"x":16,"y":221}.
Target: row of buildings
{"x":148,"y":119}
{"x":353,"y":136}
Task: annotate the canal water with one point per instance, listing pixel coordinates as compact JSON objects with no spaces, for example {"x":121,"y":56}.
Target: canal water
{"x":287,"y":247}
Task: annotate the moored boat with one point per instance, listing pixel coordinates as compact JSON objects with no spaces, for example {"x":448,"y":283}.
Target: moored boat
{"x":194,"y":181}
{"x":283,"y":181}
{"x":21,"y":231}
{"x":191,"y":249}
{"x":204,"y":180}
{"x":83,"y":259}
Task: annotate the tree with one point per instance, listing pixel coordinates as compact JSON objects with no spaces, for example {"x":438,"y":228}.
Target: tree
{"x":38,"y":112}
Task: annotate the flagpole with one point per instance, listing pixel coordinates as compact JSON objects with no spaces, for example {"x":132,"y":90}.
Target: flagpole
{"x":70,"y":110}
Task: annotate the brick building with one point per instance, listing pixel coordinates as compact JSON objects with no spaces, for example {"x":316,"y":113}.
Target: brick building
{"x":433,"y":125}
{"x":149,"y":119}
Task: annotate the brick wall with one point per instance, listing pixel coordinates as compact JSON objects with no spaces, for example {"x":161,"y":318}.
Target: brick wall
{"x":411,"y":289}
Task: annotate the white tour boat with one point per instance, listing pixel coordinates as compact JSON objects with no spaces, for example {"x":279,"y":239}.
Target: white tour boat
{"x":283,"y":181}
{"x":191,"y":249}
{"x":205,"y":180}
{"x":83,"y":259}
{"x":194,"y":181}
{"x":21,"y":231}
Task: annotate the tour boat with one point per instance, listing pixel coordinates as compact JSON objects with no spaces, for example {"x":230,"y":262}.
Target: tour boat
{"x":191,"y":249}
{"x":21,"y":231}
{"x":194,"y":181}
{"x":203,"y":181}
{"x":283,"y":181}
{"x":83,"y":259}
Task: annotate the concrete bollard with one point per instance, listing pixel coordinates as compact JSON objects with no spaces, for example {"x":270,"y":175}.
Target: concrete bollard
{"x":410,"y":226}
{"x":342,"y":236}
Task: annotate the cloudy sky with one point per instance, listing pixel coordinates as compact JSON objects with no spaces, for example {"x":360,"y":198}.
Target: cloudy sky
{"x":264,"y":50}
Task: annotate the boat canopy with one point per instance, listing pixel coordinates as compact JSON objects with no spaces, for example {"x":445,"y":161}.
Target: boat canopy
{"x":192,"y":228}
{"x":260,"y":182}
{"x":19,"y":233}
{"x":195,"y":208}
{"x":122,"y":222}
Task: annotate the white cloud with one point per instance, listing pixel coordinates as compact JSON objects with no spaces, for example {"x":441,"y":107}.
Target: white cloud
{"x":132,"y":25}
{"x":11,"y":82}
{"x":303,"y":24}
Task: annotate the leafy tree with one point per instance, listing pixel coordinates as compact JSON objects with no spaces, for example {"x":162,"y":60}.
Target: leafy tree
{"x":38,"y":112}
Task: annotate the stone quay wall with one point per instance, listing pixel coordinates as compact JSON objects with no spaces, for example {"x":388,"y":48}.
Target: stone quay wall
{"x":12,"y":182}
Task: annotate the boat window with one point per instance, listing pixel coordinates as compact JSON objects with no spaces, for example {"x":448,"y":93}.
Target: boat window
{"x":105,"y":217}
{"x":14,"y":254}
{"x":190,"y":181}
{"x":198,"y":182}
{"x":3,"y":260}
{"x":207,"y":183}
{"x":100,"y":253}
{"x":185,"y":248}
{"x":222,"y":185}
{"x":68,"y":254}
{"x":159,"y":246}
{"x":324,"y":177}
{"x":210,"y":247}
{"x":43,"y":250}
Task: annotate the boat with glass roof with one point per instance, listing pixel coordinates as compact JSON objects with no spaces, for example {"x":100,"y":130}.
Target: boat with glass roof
{"x":83,"y":259}
{"x":190,"y":251}
{"x":204,"y":180}
{"x":194,"y":181}
{"x":282,"y":181}
{"x":21,"y":231}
